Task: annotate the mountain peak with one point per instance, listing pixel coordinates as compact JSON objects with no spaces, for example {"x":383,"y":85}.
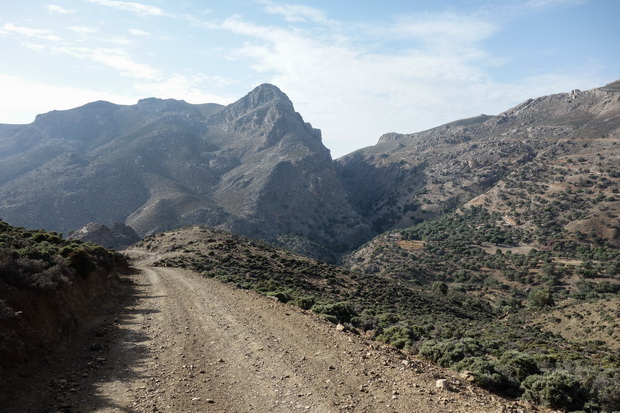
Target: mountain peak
{"x":262,"y":97}
{"x":264,"y":94}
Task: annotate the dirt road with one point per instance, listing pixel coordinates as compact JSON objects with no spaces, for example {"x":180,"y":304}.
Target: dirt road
{"x":185,"y":343}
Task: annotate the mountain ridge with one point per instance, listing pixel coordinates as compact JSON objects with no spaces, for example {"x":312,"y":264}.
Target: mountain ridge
{"x":164,"y":163}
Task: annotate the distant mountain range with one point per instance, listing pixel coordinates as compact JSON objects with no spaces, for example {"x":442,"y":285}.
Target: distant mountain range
{"x":257,"y":169}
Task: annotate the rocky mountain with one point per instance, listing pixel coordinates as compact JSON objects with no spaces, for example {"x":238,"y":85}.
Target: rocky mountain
{"x":498,"y":249}
{"x":253,"y":167}
{"x":256,"y":168}
{"x":406,"y":179}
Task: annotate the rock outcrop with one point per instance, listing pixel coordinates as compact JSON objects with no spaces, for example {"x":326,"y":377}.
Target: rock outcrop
{"x":118,"y":236}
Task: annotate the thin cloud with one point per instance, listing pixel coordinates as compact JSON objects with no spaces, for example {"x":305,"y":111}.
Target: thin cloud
{"x":188,"y":86}
{"x":444,"y":28}
{"x":30,"y":97}
{"x":539,"y":4}
{"x":30,"y":32}
{"x":431,"y":72}
{"x":84,"y":29}
{"x":114,"y":58}
{"x":140,"y":9}
{"x":139,"y":33}
{"x":56,"y":9}
{"x":296,"y":13}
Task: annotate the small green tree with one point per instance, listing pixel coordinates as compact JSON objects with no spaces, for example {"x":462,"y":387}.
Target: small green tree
{"x":440,"y":287}
{"x":541,"y":298}
{"x":517,"y":365}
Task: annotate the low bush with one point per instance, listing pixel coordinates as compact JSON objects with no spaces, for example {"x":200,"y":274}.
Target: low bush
{"x":447,"y":353}
{"x":606,"y":391}
{"x":517,"y":365}
{"x":398,"y":336}
{"x":557,"y":390}
{"x":342,"y":311}
{"x":304,"y":302}
{"x":81,"y":261}
{"x":485,"y":373}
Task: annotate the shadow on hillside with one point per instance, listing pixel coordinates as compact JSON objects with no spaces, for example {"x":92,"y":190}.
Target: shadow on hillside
{"x":103,"y":357}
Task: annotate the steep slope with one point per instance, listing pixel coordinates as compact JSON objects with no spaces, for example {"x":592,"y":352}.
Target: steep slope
{"x":253,"y":167}
{"x":406,"y":179}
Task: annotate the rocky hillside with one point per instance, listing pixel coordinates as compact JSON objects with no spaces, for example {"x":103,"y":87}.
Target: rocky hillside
{"x":571,"y":137}
{"x":520,"y":212}
{"x":253,"y":167}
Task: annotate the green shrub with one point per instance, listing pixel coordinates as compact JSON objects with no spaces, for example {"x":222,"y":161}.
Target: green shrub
{"x":342,"y":312}
{"x":541,"y":298}
{"x":449,"y":352}
{"x":282,"y":296}
{"x":81,"y":261}
{"x":558,"y":390}
{"x":517,"y":365}
{"x":606,"y":390}
{"x":484,"y":372}
{"x":398,"y":336}
{"x":440,"y":287}
{"x":66,"y":250}
{"x":305,"y":302}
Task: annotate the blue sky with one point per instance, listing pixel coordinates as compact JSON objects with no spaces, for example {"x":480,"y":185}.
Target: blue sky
{"x":353,"y":69}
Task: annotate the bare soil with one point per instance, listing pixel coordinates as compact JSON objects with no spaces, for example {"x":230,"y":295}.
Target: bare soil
{"x":180,"y":342}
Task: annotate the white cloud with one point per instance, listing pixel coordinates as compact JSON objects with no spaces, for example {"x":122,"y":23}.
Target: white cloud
{"x":140,"y":9}
{"x":447,"y":28}
{"x":84,"y":29}
{"x":56,"y":9}
{"x":182,"y":86}
{"x":30,"y":32}
{"x":29,"y":98}
{"x":114,"y":58}
{"x":539,"y":4}
{"x":296,"y":13}
{"x":119,"y":40}
{"x":355,"y":85}
{"x":139,"y":33}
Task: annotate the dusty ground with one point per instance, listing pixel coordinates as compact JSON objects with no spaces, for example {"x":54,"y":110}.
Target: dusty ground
{"x":179,"y":342}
